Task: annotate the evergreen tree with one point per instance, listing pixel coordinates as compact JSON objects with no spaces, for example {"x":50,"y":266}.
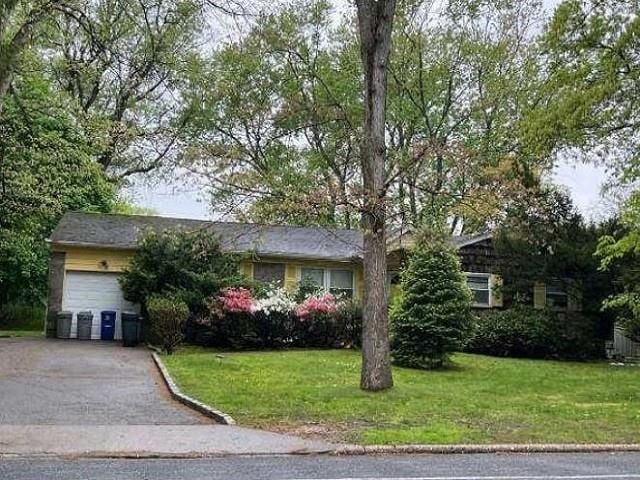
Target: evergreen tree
{"x":430,"y":316}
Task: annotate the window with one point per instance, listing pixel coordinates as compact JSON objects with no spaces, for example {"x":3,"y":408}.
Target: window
{"x":556,"y":296}
{"x":479,"y":285}
{"x":314,"y":276}
{"x":338,"y":282}
{"x":269,"y":273}
{"x":341,"y":283}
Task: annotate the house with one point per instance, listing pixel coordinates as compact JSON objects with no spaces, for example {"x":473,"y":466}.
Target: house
{"x":89,"y":251}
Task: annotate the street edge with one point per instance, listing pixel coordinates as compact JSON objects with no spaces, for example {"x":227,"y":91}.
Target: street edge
{"x":186,"y":400}
{"x":489,"y":448}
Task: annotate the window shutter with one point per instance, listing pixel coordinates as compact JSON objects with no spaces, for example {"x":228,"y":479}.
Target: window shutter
{"x":291,"y":277}
{"x":495,"y":284}
{"x":539,"y":295}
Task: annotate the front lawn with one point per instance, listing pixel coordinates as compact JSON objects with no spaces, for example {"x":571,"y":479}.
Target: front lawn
{"x":480,"y":400}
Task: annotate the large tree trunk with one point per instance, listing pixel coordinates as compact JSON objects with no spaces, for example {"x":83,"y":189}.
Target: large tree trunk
{"x":375,"y":21}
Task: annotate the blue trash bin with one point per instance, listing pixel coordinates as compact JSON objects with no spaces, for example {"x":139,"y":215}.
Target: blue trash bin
{"x":107,"y":325}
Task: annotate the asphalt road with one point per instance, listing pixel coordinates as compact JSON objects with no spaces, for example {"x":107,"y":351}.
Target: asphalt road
{"x":426,"y":467}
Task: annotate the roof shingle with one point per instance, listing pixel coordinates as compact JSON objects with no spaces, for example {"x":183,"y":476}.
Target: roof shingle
{"x":123,"y":232}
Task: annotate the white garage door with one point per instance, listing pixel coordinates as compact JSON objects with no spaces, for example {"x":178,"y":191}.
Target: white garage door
{"x":96,"y":292}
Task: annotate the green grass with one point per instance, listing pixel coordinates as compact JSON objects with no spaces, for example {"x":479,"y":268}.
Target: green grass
{"x":20,"y":333}
{"x":481,"y":399}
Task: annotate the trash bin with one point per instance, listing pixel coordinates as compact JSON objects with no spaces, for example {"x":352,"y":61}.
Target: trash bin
{"x":63,"y":324}
{"x":130,"y":329}
{"x":85,"y":321}
{"x":107,"y":325}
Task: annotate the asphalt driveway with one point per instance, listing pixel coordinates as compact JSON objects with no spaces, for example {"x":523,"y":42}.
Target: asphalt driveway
{"x":70,"y":382}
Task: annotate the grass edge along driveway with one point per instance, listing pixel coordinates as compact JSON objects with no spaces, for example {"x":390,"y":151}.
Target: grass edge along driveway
{"x":479,"y":400}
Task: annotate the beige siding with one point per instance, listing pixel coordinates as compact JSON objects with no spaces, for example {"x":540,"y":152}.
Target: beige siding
{"x":105,"y":260}
{"x":97,"y":260}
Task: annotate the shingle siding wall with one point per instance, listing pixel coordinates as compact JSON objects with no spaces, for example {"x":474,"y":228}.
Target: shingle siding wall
{"x":479,"y":258}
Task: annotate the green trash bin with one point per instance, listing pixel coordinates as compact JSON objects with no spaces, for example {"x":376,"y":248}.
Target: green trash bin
{"x":84,"y":322}
{"x":131,"y":327}
{"x":63,"y":324}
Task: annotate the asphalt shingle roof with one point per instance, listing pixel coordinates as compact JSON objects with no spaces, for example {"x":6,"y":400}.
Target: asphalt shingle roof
{"x":123,"y":232}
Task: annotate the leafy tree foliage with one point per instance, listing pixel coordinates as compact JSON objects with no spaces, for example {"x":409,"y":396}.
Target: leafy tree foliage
{"x":548,"y":241}
{"x":619,"y":253}
{"x":276,"y":115}
{"x":186,"y":264}
{"x":121,"y":61}
{"x":432,"y":312}
{"x":593,"y":56}
{"x":592,"y":52}
{"x":46,"y":168}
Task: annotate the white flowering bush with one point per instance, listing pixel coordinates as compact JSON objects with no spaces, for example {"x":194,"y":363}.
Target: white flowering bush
{"x":277,"y":300}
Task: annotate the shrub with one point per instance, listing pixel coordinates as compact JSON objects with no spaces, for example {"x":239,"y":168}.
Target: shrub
{"x":167,"y":317}
{"x":431,"y":314}
{"x":187,"y":264}
{"x":236,"y":300}
{"x":21,"y":317}
{"x":520,"y":331}
{"x":327,"y":324}
{"x":317,"y":305}
{"x":273,"y":322}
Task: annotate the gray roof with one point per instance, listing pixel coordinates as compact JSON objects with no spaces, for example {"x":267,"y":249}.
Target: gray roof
{"x":123,"y":232}
{"x":465,"y":240}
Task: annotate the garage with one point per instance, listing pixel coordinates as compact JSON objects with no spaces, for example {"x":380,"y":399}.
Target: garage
{"x":94,"y":291}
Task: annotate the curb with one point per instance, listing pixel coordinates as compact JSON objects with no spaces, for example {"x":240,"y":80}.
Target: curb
{"x":475,"y":448}
{"x":192,"y":403}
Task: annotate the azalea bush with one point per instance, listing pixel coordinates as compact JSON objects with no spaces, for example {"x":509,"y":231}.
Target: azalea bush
{"x":236,"y":319}
{"x":236,"y":300}
{"x":317,"y":305}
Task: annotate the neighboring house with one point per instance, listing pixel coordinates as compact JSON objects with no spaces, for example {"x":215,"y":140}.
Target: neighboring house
{"x":481,"y":265}
{"x":89,"y":252}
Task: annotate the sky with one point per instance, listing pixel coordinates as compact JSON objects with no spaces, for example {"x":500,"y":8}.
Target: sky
{"x":174,"y":198}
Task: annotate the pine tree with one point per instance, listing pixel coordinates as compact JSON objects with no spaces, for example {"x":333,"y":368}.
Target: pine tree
{"x":430,"y":316}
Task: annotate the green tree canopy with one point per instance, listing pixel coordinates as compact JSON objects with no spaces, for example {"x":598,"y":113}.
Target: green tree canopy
{"x":46,"y":168}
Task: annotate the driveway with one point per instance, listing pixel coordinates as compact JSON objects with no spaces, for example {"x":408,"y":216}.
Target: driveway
{"x":69,"y":382}
{"x":68,"y":397}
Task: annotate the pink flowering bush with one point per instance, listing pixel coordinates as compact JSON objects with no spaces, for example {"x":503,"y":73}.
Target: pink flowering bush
{"x":236,"y":300}
{"x":317,"y":304}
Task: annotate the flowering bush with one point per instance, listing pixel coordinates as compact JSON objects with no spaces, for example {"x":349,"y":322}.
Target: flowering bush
{"x":277,"y":301}
{"x":317,"y":304}
{"x":236,"y":300}
{"x":236,"y":320}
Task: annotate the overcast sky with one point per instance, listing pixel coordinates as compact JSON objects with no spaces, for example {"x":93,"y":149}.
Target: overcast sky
{"x":176,"y":199}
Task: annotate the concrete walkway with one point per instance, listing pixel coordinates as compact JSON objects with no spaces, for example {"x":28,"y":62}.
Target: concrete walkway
{"x":93,"y":398}
{"x":149,"y":441}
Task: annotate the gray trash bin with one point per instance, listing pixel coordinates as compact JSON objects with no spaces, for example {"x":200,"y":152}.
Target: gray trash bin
{"x":85,"y":320}
{"x":63,"y":324}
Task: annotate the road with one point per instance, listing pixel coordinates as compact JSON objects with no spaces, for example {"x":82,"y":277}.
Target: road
{"x":623,"y":466}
